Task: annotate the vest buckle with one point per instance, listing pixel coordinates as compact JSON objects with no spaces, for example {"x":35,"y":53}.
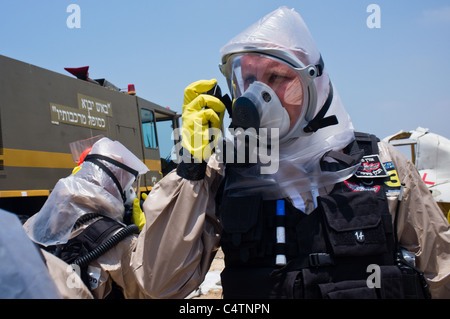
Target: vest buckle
{"x":320,"y":260}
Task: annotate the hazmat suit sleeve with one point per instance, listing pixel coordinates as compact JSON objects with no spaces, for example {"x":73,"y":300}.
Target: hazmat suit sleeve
{"x":422,"y":227}
{"x":178,"y":242}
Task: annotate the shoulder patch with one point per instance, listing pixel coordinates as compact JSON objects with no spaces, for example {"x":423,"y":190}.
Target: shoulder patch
{"x":393,"y":182}
{"x":362,"y":188}
{"x":371,"y":167}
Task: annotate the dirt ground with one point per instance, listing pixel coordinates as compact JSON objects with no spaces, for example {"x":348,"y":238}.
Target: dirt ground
{"x":211,"y":287}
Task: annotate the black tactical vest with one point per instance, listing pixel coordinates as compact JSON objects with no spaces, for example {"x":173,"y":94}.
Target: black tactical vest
{"x":345,"y":248}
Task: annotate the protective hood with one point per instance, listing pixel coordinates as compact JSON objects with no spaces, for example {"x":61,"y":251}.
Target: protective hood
{"x":90,"y":190}
{"x":282,"y":30}
{"x":284,"y":35}
{"x":124,"y":166}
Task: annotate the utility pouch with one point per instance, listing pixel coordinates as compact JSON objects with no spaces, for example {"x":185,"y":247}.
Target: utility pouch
{"x":257,"y":282}
{"x":351,"y":289}
{"x":317,"y":284}
{"x":354,"y":223}
{"x":239,"y":218}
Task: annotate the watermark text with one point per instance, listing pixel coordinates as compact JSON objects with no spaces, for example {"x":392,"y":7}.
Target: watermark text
{"x":374,"y":19}
{"x":74,"y":19}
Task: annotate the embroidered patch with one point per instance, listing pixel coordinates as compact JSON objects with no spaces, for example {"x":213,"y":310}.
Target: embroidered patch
{"x":393,"y":183}
{"x":362,"y":188}
{"x":389,"y":165}
{"x":371,"y":167}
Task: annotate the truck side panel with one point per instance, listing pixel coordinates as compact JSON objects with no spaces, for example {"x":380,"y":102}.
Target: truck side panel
{"x":42,"y":112}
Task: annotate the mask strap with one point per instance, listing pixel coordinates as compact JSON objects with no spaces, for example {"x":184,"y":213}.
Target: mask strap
{"x":320,"y":121}
{"x":320,"y":66}
{"x":95,"y":158}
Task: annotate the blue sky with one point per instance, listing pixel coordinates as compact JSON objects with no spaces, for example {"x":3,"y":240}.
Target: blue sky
{"x":392,"y":78}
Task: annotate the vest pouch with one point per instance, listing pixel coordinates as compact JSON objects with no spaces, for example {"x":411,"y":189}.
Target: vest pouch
{"x":239,"y":217}
{"x":257,"y":283}
{"x":391,"y":283}
{"x":388,"y":286}
{"x":352,"y":289}
{"x":354,"y":224}
{"x":317,"y":283}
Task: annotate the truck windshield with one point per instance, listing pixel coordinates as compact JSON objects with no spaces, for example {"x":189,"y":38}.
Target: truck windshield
{"x":149,"y":128}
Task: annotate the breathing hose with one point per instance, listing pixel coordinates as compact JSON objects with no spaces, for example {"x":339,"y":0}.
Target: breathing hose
{"x":107,"y":245}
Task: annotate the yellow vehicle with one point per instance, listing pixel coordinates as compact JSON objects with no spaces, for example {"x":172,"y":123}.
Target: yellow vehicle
{"x":43,"y":112}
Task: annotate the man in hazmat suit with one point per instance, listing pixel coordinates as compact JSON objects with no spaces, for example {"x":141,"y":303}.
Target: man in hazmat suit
{"x":342,"y":215}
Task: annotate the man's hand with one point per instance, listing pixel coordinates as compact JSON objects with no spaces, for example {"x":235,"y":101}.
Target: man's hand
{"x":200,"y":112}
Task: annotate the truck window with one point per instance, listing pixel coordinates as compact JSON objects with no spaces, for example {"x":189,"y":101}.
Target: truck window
{"x":164,"y":129}
{"x":149,"y":129}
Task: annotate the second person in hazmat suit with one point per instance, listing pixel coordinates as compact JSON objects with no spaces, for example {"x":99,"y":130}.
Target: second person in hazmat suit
{"x":87,"y":210}
{"x":332,"y":207}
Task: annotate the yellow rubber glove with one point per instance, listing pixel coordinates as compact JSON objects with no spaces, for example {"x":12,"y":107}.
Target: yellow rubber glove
{"x":200,"y":112}
{"x":138,"y":214}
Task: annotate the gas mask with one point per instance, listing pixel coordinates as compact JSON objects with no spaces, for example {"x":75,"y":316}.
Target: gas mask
{"x":273,"y":92}
{"x":260,"y":107}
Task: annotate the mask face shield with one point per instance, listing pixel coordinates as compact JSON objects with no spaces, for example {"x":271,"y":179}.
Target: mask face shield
{"x":294,"y":86}
{"x":122,"y":166}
